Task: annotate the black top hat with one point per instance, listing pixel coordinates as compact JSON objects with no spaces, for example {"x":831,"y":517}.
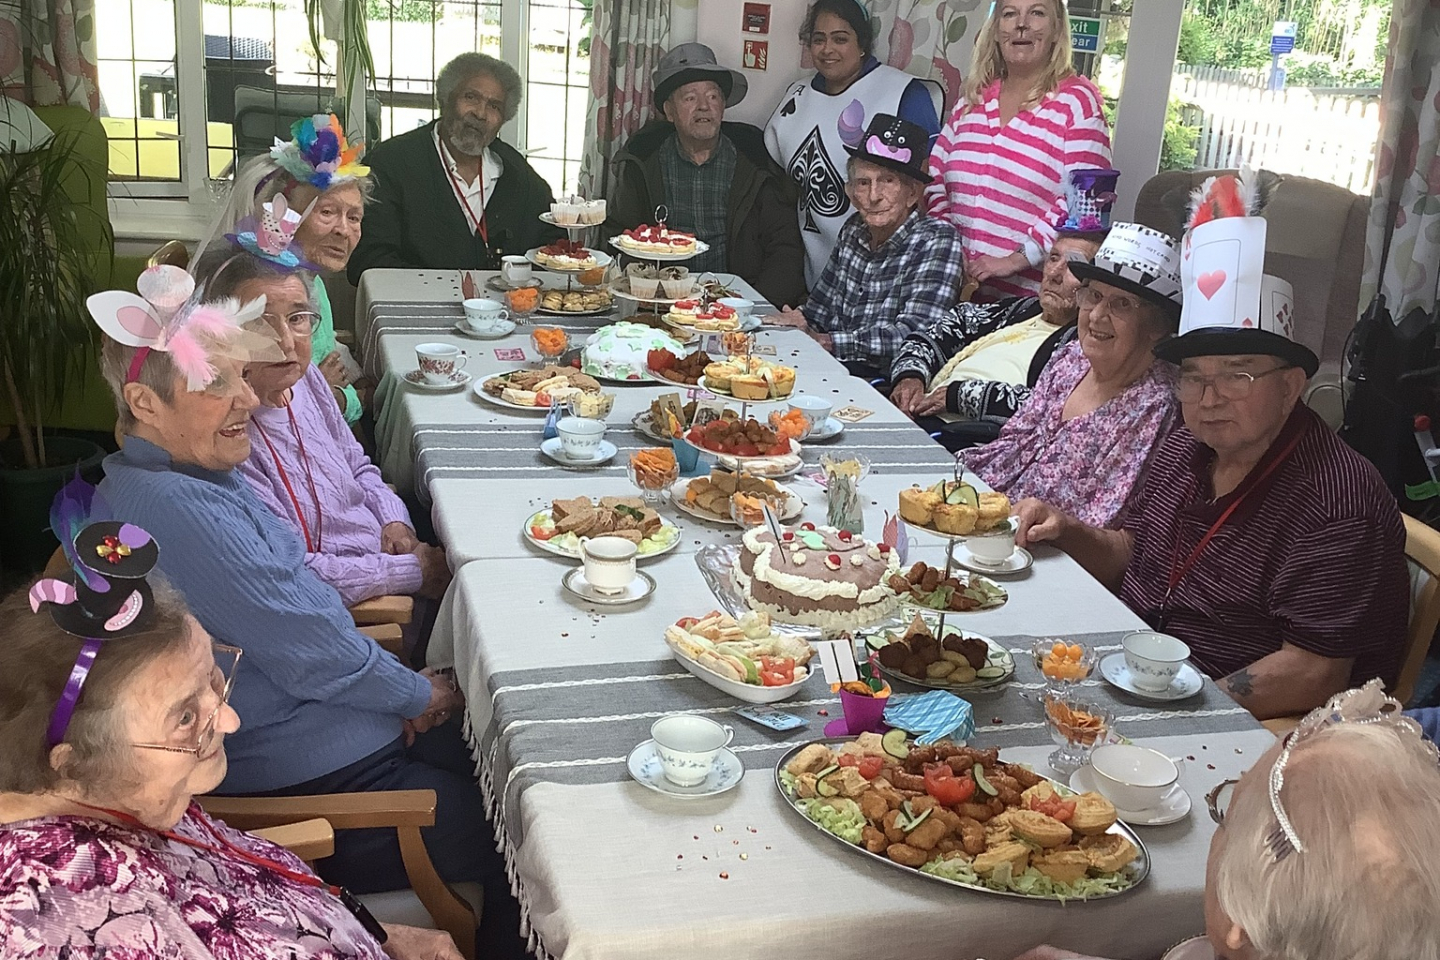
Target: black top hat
{"x":895,"y":144}
{"x":112,"y":596}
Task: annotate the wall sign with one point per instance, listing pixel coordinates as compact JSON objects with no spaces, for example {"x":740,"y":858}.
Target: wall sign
{"x":1282,"y":37}
{"x":1085,"y":34}
{"x":756,"y":55}
{"x":756,"y":18}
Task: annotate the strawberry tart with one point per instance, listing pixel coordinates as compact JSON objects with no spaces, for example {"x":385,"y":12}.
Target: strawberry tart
{"x":817,"y":576}
{"x":565,"y":255}
{"x":655,"y":239}
{"x":712,"y":318}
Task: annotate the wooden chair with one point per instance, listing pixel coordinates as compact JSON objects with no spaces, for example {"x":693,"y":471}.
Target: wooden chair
{"x":1422,"y":549}
{"x":174,"y":254}
{"x":310,"y":840}
{"x":404,"y":811}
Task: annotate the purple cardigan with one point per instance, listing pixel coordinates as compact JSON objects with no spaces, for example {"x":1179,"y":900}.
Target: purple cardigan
{"x":354,"y":500}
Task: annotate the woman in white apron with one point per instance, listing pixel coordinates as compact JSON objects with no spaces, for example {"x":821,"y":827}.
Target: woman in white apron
{"x":818,"y":117}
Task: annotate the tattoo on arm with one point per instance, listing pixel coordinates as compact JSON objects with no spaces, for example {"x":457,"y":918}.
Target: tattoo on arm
{"x":1241,"y":683}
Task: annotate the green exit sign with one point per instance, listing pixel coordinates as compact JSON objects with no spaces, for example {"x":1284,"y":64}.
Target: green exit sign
{"x":1085,"y":34}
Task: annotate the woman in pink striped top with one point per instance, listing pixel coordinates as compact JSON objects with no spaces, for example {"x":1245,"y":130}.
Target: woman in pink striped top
{"x":1000,"y":166}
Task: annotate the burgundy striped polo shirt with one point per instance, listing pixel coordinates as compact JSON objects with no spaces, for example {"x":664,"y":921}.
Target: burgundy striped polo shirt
{"x":1314,"y":556}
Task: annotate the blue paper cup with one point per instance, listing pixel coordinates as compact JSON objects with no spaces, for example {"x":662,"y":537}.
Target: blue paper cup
{"x":687,"y":456}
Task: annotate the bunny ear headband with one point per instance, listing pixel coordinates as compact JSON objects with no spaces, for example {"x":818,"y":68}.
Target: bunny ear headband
{"x":104,"y":595}
{"x":272,"y":236}
{"x":166,"y":317}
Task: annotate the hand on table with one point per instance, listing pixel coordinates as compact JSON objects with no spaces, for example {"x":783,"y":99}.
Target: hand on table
{"x":413,"y":943}
{"x":789,"y":317}
{"x":397,"y":538}
{"x":983,"y":268}
{"x":910,"y":396}
{"x":1038,"y":522}
{"x":434,"y":571}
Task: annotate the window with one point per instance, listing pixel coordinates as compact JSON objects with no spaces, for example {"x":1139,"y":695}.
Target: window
{"x":253,"y":70}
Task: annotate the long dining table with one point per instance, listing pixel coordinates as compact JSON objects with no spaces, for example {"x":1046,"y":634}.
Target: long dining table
{"x":560,"y":691}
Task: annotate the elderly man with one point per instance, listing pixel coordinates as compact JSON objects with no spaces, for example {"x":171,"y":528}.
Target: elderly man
{"x":452,"y":195}
{"x":894,"y":270}
{"x":981,"y":360}
{"x":1258,"y":538}
{"x":714,"y":178}
{"x":1340,"y":863}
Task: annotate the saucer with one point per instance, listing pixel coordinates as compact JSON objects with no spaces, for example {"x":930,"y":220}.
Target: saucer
{"x":641,"y":587}
{"x":644,"y":764}
{"x":1187,"y":682}
{"x":417,"y":380}
{"x":554,"y":449}
{"x":828,"y":430}
{"x":1019,"y":561}
{"x":465,"y":331}
{"x":1174,"y":806}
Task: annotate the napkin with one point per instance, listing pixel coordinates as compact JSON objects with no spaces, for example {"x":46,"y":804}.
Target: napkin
{"x":932,"y":716}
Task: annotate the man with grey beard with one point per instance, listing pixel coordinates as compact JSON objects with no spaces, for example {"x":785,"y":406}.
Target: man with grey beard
{"x":451,"y":194}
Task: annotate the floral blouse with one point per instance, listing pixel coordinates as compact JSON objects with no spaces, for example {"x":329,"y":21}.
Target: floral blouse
{"x":1087,"y":466}
{"x":87,"y":889}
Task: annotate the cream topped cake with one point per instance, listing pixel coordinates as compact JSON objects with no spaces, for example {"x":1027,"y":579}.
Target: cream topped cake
{"x":818,"y":576}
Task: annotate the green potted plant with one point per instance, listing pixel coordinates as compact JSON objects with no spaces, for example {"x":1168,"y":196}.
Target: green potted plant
{"x":53,"y":245}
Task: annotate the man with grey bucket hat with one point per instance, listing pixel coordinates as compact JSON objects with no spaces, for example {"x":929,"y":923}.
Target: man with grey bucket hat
{"x":714,"y":178}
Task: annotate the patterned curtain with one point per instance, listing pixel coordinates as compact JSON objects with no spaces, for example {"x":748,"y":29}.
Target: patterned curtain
{"x":1402,"y":243}
{"x":628,"y":39}
{"x":932,"y":39}
{"x":47,"y":52}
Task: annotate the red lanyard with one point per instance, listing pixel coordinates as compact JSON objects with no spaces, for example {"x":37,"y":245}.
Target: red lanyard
{"x":310,"y":547}
{"x":347,"y":899}
{"x":1179,"y":568}
{"x":476,"y":223}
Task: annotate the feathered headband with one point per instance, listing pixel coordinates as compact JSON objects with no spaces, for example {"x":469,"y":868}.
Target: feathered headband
{"x":272,"y":235}
{"x":1229,"y":195}
{"x":104,"y":596}
{"x":319,"y":154}
{"x":167,"y":317}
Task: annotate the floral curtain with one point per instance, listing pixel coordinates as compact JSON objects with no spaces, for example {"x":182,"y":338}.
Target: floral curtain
{"x":47,"y":52}
{"x":627,"y":41}
{"x":1402,"y":243}
{"x":932,"y":39}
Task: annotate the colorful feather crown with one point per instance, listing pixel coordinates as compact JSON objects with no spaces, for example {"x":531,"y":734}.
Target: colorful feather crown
{"x":319,"y":154}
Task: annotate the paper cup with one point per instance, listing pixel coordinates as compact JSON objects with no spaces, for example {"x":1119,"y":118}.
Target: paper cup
{"x":864,"y":714}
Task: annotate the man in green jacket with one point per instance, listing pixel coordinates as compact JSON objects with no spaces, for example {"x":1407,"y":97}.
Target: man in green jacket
{"x":714,"y":178}
{"x":451,"y":195}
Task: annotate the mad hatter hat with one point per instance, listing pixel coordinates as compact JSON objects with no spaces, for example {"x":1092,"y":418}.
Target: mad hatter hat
{"x":694,"y":61}
{"x":1231,"y":305}
{"x":1140,"y":260}
{"x":895,"y":144}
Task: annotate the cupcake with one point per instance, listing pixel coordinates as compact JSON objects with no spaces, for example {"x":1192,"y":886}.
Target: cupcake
{"x":644,"y":287}
{"x":565,"y":212}
{"x":676,"y":282}
{"x":593,"y":212}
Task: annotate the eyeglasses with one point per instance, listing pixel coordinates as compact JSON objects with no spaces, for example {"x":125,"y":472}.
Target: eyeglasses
{"x":1235,"y":385}
{"x":1217,"y":801}
{"x":197,"y":740}
{"x":300,"y":323}
{"x":1121,"y":305}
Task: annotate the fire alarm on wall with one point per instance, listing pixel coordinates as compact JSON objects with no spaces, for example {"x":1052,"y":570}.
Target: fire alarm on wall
{"x":756,"y":18}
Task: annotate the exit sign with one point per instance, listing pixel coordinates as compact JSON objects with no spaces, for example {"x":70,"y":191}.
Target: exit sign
{"x":1085,"y":34}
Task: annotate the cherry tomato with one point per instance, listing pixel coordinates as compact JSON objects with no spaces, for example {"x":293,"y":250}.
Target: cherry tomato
{"x":685,"y":623}
{"x":940,"y":783}
{"x":1055,"y":807}
{"x":870,"y":767}
{"x":541,"y":533}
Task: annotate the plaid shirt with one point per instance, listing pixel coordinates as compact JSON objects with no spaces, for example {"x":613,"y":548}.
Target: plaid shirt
{"x":698,"y":197}
{"x":869,"y":300}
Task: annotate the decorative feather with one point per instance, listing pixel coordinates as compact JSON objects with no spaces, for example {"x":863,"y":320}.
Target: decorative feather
{"x":70,"y":512}
{"x":1216,"y":198}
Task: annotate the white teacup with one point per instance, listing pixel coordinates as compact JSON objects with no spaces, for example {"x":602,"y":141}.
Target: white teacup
{"x":688,"y":746}
{"x":1153,"y":659}
{"x":1131,"y":777}
{"x":487,"y":316}
{"x":816,"y":409}
{"x":580,"y":437}
{"x":439,"y":361}
{"x":742,"y":307}
{"x":609,"y":563}
{"x":992,"y":549}
{"x":515,"y":270}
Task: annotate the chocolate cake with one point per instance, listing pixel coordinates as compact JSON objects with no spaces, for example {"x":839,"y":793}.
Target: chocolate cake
{"x":818,"y":576}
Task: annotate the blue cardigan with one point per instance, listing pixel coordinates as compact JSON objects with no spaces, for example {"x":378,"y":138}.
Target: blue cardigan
{"x":313,"y":693}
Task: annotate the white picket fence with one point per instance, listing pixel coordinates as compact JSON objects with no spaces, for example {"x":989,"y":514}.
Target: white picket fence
{"x":1329,"y":137}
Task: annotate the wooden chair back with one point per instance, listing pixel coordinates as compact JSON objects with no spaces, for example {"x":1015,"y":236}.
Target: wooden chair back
{"x":1422,"y":548}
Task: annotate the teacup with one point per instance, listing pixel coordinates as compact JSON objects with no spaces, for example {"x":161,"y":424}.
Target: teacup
{"x":688,"y":746}
{"x":439,"y":361}
{"x":609,"y":563}
{"x":992,"y":549}
{"x":580,"y":437}
{"x":1153,"y":659}
{"x":487,"y":316}
{"x":816,"y":409}
{"x":742,"y":307}
{"x":515,"y":270}
{"x":1131,"y":777}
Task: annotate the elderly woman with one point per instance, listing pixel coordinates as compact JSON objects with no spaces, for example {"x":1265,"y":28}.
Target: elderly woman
{"x":816,"y":118}
{"x":1104,"y":401}
{"x":1358,"y":812}
{"x":1001,"y":165}
{"x":305,"y":465}
{"x":317,"y":170}
{"x":104,"y":851}
{"x":327,"y":711}
{"x":895,"y":271}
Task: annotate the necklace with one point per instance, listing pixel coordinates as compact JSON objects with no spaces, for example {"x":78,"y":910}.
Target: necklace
{"x":477,"y":223}
{"x":311,"y":546}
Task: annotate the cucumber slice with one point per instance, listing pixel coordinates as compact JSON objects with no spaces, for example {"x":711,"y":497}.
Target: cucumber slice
{"x":877,"y":640}
{"x":752,"y":672}
{"x":999,"y":656}
{"x":827,"y":771}
{"x":968,"y":495}
{"x":989,"y":673}
{"x":916,"y":821}
{"x":985,"y":786}
{"x":894,"y":744}
{"x":826,"y":789}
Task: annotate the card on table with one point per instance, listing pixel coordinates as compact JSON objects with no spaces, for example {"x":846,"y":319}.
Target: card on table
{"x":770,"y":717}
{"x":852,"y":414}
{"x":764,"y":350}
{"x":708,"y":409}
{"x":695,"y":393}
{"x":509,"y":353}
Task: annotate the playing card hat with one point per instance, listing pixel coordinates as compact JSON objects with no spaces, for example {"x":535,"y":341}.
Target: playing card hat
{"x":1232,"y":307}
{"x":1139,"y":260}
{"x":895,"y":144}
{"x":694,"y":61}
